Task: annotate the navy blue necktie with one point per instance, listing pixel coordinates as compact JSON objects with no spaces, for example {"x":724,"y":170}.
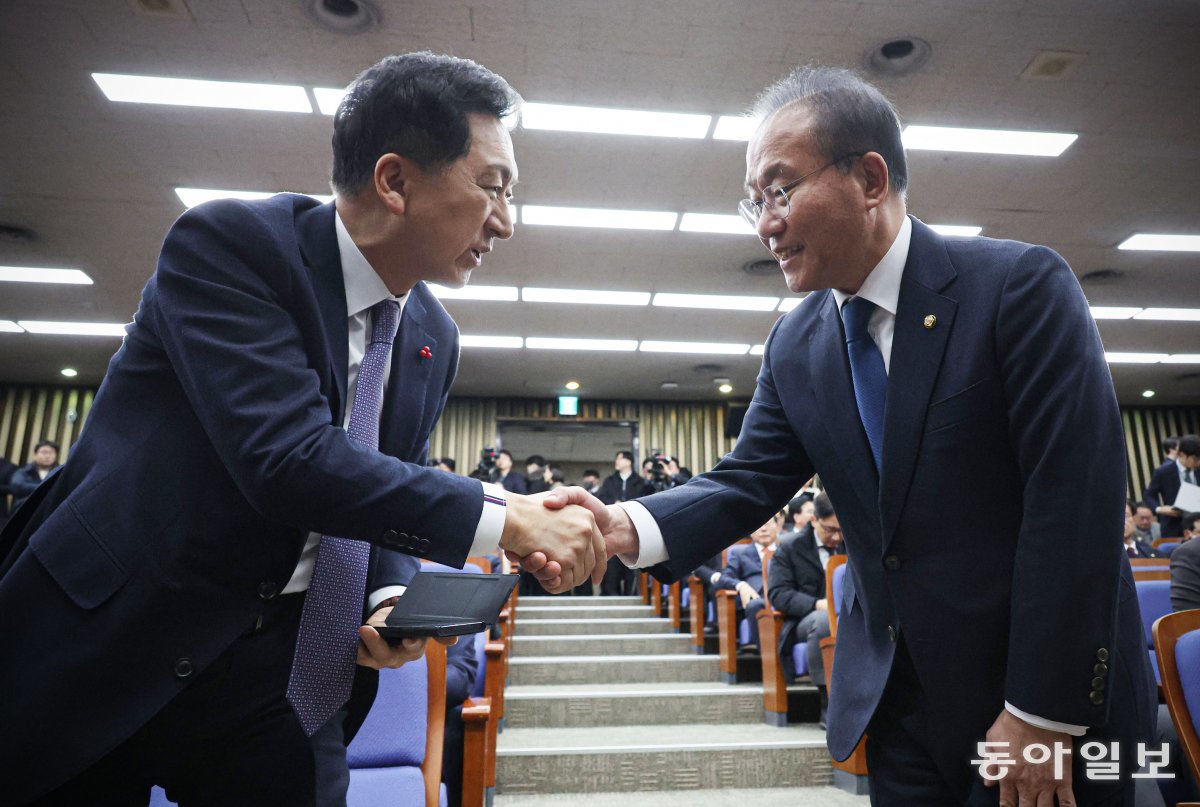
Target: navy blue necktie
{"x":867,"y":372}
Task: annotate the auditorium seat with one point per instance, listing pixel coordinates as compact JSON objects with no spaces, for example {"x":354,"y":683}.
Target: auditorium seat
{"x":1167,"y":547}
{"x":1177,"y":645}
{"x":1154,"y":601}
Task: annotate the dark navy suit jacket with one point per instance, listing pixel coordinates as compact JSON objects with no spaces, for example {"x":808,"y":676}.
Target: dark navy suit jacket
{"x":213,"y":447}
{"x":1001,"y":427}
{"x":1161,"y":492}
{"x":742,"y":565}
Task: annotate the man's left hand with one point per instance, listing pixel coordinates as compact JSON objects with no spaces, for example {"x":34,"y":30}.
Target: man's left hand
{"x":375,"y":652}
{"x":1026,"y":782}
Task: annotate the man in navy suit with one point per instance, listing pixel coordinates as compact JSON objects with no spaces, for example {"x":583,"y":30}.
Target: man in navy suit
{"x":954,"y":397}
{"x":1134,"y":546}
{"x":154,"y":589}
{"x":743,"y":572}
{"x":1166,"y":481}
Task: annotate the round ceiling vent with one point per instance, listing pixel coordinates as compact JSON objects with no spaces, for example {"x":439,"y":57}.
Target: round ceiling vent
{"x":898,"y":57}
{"x":343,"y":16}
{"x":763,"y":267}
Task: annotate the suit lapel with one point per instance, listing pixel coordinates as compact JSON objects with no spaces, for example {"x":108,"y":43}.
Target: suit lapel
{"x":318,"y":245}
{"x":918,"y":345}
{"x":838,"y":412}
{"x":407,"y":392}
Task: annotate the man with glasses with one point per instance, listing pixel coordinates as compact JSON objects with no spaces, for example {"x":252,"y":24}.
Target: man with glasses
{"x":953,"y":395}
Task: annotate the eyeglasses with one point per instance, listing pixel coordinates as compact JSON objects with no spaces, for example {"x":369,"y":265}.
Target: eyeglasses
{"x":777,"y":198}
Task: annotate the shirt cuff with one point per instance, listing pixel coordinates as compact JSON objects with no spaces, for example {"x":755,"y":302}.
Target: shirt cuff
{"x":651,"y":548}
{"x":1043,"y":723}
{"x":491,"y":521}
{"x":381,"y":594}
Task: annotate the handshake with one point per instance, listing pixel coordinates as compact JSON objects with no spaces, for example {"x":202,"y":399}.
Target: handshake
{"x":565,"y":536}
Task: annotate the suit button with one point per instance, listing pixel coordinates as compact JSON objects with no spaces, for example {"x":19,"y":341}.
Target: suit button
{"x":267,"y":590}
{"x":1097,"y":697}
{"x":183,"y":667}
{"x":891,"y":563}
{"x":391,"y":538}
{"x":891,"y":633}
{"x":1100,"y":669}
{"x":1098,"y":684}
{"x":1102,"y":654}
{"x":424,"y":545}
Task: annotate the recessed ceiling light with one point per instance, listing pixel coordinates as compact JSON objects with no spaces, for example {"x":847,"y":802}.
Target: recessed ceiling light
{"x":74,"y":328}
{"x":735,"y":127}
{"x":602,"y":120}
{"x":1170,"y":314}
{"x":194,"y":196}
{"x":8,"y":326}
{"x":69,"y":372}
{"x":547,"y":343}
{"x":598,"y":217}
{"x":198,"y":92}
{"x":1134,"y":358}
{"x":584,"y":296}
{"x":669,"y":385}
{"x":490,"y":341}
{"x":725,"y":388}
{"x":1113,"y":311}
{"x":328,"y":99}
{"x":718,"y":302}
{"x":572,"y":385}
{"x":718,"y":348}
{"x":1148,"y":393}
{"x":36,"y":274}
{"x":503,"y":294}
{"x":1162,"y":242}
{"x":714,"y":223}
{"x":987,"y":141}
{"x":956,"y":229}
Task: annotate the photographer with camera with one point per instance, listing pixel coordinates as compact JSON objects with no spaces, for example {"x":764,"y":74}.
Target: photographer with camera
{"x":664,"y":472}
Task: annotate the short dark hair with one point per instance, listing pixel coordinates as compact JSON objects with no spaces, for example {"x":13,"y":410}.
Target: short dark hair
{"x":795,"y":504}
{"x":1132,"y":506}
{"x":1170,"y":444}
{"x":850,"y":116}
{"x":822,"y":507}
{"x":448,"y":462}
{"x":1189,"y":521}
{"x":1189,"y":444}
{"x":505,"y":452}
{"x":536,"y":459}
{"x":592,"y":472}
{"x":415,"y":105}
{"x":556,"y":474}
{"x":626,"y":454}
{"x":50,"y":443}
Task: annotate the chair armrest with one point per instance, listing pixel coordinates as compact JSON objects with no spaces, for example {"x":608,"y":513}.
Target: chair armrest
{"x":476,"y":715}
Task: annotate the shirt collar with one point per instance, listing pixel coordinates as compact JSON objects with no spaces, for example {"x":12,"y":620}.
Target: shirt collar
{"x":1183,"y":469}
{"x":364,"y":286}
{"x":882,"y":286}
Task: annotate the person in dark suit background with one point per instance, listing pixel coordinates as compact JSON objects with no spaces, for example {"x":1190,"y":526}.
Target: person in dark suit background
{"x":743,"y":572}
{"x":1135,"y":546}
{"x":26,"y":479}
{"x":953,"y":395}
{"x":1166,"y":481}
{"x":1185,"y":566}
{"x":620,"y":486}
{"x":505,"y":476}
{"x":187,"y":618}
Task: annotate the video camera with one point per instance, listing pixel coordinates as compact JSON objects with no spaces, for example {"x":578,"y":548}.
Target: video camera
{"x":487,"y":463}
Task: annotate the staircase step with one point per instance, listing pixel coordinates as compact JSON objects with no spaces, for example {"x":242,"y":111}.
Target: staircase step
{"x":572,"y":599}
{"x":759,"y":797}
{"x":562,"y":627}
{"x":618,"y":644}
{"x":533,"y":670}
{"x":604,"y":759}
{"x":676,"y":703}
{"x":528,"y":612}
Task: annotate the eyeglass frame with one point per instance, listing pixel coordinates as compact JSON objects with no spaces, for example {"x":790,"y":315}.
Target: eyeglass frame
{"x":752,"y":211}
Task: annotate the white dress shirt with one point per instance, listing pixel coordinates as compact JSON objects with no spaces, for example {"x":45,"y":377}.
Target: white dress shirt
{"x":881,"y":287}
{"x":364,"y":288}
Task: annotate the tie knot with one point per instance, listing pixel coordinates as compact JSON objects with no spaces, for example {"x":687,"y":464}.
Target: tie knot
{"x":386,"y":316}
{"x":856,"y":313}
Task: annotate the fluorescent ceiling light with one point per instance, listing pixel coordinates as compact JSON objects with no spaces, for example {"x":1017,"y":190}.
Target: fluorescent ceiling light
{"x":8,"y":326}
{"x":194,"y":196}
{"x":489,"y":341}
{"x":74,"y":328}
{"x":789,"y":303}
{"x":600,"y":120}
{"x":1113,"y":311}
{"x":1135,"y":358}
{"x":1182,"y":358}
{"x":758,"y":350}
{"x":586,"y":296}
{"x":598,"y":217}
{"x":544,"y":343}
{"x":714,"y":223}
{"x":502,"y":294}
{"x":328,"y":99}
{"x":36,"y":274}
{"x":722,"y":348}
{"x":719,"y":302}
{"x":1171,"y":314}
{"x":735,"y":127}
{"x":197,"y":92}
{"x":987,"y":141}
{"x":955,"y":229}
{"x":1162,"y":242}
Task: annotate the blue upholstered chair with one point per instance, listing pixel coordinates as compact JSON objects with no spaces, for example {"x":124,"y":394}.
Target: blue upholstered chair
{"x":1177,"y":645}
{"x":1154,"y":601}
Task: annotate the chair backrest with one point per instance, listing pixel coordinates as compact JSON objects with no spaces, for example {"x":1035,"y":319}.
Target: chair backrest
{"x":481,"y":638}
{"x":394,"y":733}
{"x":1177,"y":644}
{"x":1150,"y":562}
{"x":1167,"y":547}
{"x":835,"y":574}
{"x":483,"y":564}
{"x":1154,"y":601}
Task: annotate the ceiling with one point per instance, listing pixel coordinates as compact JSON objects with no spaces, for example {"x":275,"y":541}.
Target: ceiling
{"x":95,"y":179}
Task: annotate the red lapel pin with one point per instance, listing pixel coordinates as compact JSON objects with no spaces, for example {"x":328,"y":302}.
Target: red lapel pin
{"x":426,"y":353}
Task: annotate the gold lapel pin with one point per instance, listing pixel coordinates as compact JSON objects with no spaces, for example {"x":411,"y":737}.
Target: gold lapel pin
{"x":930,"y":321}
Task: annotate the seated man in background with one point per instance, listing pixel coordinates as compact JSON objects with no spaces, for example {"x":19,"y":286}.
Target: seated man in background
{"x":1135,"y":545}
{"x":799,"y":514}
{"x":1145,"y":526}
{"x":798,"y":591}
{"x":1185,"y":566}
{"x":744,"y":572}
{"x":25,"y":480}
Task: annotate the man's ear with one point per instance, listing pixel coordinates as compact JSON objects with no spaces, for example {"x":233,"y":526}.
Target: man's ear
{"x":393,"y":181}
{"x":873,"y":174}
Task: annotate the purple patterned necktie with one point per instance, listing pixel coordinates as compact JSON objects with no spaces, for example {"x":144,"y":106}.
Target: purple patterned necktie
{"x":327,"y":645}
